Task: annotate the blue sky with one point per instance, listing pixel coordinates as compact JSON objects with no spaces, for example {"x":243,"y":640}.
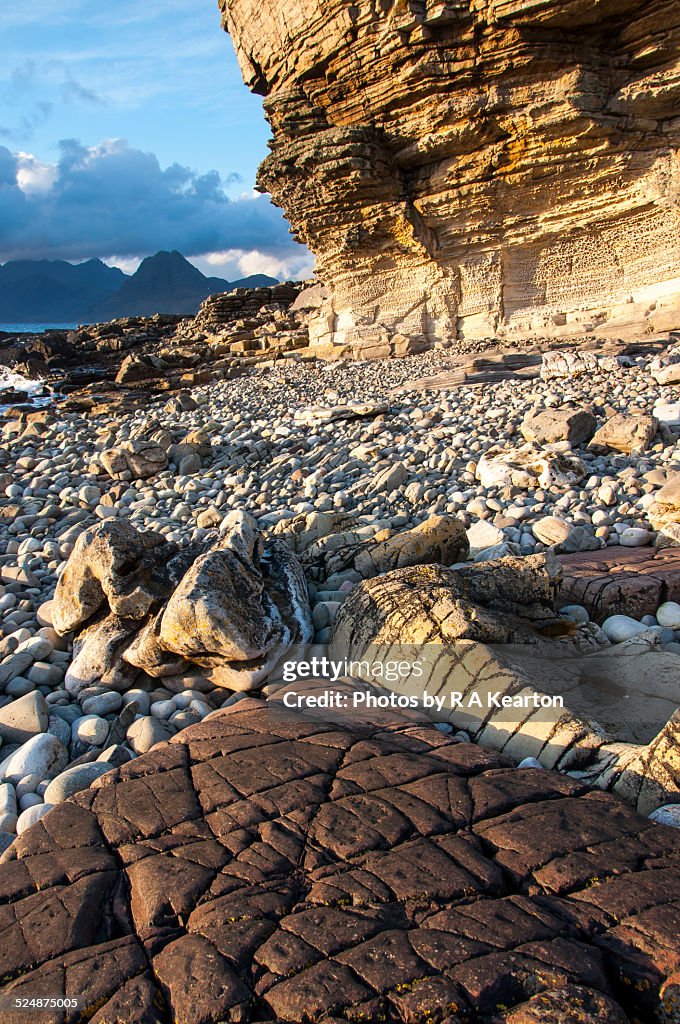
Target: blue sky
{"x":125,"y":128}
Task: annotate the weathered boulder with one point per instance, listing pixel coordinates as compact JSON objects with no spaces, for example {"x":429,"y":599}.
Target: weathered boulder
{"x":304,"y":529}
{"x":317,"y":414}
{"x":485,"y":639}
{"x":135,"y":368}
{"x":568,"y":363}
{"x":530,"y":466}
{"x":563,"y":536}
{"x":665,"y":510}
{"x":383,"y":872}
{"x":545,"y":426}
{"x":440,"y":539}
{"x":181,"y":402}
{"x":237,"y":612}
{"x":186,"y":458}
{"x":388,"y":478}
{"x":98,"y":655}
{"x":135,"y":460}
{"x":480,"y":169}
{"x":112,"y":564}
{"x":625,"y":433}
{"x":141,"y":604}
{"x":665,"y":369}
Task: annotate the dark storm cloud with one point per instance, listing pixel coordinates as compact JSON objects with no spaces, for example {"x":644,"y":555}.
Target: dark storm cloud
{"x":112,"y":199}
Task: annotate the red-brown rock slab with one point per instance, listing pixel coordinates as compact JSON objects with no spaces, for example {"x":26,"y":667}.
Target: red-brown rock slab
{"x":621,"y":581}
{"x":259,"y":870}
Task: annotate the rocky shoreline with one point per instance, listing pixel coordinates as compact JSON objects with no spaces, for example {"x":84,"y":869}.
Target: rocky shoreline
{"x":203,"y":506}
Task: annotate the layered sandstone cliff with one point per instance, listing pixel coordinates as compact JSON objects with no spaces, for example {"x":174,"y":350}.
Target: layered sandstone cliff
{"x":475,"y":167}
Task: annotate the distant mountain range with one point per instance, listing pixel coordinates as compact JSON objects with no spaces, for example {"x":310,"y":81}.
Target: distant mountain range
{"x":54,"y":291}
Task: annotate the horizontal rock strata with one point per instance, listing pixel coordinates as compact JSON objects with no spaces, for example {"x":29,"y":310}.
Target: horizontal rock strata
{"x":474,"y":169}
{"x":272,"y":870}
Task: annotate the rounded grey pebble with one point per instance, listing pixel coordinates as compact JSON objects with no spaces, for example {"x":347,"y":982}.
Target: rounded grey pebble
{"x":103,"y":704}
{"x":75,"y":779}
{"x":29,"y":784}
{"x":29,"y":800}
{"x":90,"y":729}
{"x":145,"y":732}
{"x":31,"y":815}
{"x":19,"y":686}
{"x":68,"y":712}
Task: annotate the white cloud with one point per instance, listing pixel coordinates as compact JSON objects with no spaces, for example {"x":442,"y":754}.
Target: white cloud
{"x":33,"y":175}
{"x":231,"y":264}
{"x":127,"y":266}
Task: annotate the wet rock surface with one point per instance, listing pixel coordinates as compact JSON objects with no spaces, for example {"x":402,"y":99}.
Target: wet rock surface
{"x":264,"y":869}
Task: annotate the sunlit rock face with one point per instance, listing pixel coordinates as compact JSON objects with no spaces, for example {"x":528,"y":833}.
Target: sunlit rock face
{"x":475,"y":168}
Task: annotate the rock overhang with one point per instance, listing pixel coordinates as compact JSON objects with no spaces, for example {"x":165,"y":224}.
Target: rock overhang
{"x":472,"y":171}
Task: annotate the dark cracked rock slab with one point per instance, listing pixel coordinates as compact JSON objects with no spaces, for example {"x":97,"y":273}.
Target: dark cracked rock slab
{"x":256,"y":869}
{"x":616,"y":580}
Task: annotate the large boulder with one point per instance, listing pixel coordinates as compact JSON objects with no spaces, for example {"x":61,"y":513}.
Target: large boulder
{"x":235,"y":611}
{"x":665,"y":510}
{"x":329,"y":543}
{"x":486,"y":640}
{"x":530,"y":466}
{"x":545,"y":426}
{"x":136,"y":368}
{"x":111,"y":564}
{"x":625,"y":432}
{"x":138,"y":603}
{"x":559,"y":364}
{"x":665,"y":369}
{"x":498,"y":601}
{"x":134,"y":460}
{"x":98,"y":655}
{"x":440,"y":539}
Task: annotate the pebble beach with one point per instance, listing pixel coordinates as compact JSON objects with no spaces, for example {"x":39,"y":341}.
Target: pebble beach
{"x":296,"y":437}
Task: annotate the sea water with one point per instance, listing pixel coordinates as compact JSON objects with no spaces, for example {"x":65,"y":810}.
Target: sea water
{"x":35,"y":328}
{"x":9,"y":379}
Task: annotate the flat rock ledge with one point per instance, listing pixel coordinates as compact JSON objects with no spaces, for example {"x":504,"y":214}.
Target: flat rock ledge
{"x":262,"y":869}
{"x":614,"y":581}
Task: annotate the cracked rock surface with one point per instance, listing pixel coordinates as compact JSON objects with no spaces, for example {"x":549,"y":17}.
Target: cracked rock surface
{"x":263,"y":869}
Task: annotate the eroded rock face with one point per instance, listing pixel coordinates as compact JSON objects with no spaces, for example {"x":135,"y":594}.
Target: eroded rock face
{"x":474,"y":169}
{"x":292,"y":870}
